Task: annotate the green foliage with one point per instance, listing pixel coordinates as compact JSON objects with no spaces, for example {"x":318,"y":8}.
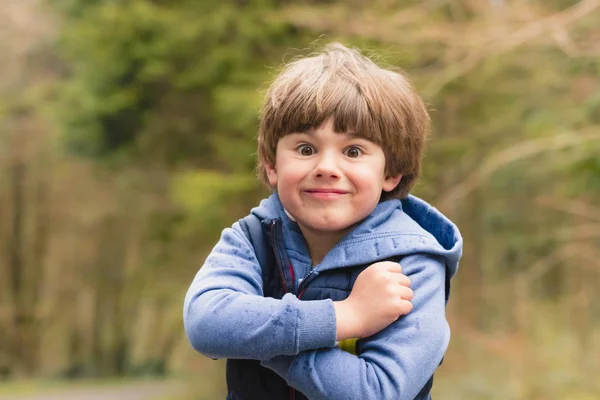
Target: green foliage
{"x":190,"y":68}
{"x":204,"y":202}
{"x":586,"y":171}
{"x":205,"y":195}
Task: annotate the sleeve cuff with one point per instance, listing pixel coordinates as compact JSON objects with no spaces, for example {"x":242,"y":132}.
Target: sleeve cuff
{"x":316,"y":325}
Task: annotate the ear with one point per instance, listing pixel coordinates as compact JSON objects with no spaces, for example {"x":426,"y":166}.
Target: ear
{"x":271,"y":174}
{"x":391,"y":182}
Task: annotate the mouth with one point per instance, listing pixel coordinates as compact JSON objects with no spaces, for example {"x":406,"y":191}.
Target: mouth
{"x":325,"y":193}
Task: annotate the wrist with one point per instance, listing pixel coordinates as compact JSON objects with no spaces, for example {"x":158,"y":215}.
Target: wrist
{"x":346,"y":323}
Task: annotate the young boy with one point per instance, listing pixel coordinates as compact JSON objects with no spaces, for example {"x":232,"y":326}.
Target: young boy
{"x":340,"y":143}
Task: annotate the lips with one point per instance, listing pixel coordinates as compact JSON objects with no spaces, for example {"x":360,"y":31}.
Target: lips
{"x":326,"y":191}
{"x":325,"y":194}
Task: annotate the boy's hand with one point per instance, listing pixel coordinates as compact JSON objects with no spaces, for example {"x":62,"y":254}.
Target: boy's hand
{"x":381,"y":294}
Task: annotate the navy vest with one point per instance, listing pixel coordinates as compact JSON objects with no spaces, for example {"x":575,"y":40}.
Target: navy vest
{"x":247,"y":379}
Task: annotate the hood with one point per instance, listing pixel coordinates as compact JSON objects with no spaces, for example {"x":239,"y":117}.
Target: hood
{"x":395,"y":228}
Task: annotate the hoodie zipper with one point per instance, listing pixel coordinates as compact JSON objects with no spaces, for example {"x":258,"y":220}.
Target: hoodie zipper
{"x":304,"y":283}
{"x":276,"y":240}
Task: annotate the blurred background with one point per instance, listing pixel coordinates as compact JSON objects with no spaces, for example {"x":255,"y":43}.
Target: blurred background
{"x":127,"y":143}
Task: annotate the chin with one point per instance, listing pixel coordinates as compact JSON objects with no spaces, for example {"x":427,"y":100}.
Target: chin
{"x":332,"y":227}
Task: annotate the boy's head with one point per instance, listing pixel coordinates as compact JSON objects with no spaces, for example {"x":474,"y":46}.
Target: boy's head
{"x":341,"y":85}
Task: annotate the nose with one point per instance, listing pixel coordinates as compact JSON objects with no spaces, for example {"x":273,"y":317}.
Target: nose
{"x":327,"y":166}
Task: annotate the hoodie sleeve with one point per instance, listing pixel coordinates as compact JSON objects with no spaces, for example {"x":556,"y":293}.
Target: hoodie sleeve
{"x":395,"y":363}
{"x":226,"y":316}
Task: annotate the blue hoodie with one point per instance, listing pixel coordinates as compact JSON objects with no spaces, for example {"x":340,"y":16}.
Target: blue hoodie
{"x":226,"y":315}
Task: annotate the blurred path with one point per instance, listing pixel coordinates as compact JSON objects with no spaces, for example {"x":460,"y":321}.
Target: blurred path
{"x":127,"y":391}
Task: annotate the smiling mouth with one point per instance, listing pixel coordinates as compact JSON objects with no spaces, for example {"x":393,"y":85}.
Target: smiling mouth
{"x":325,"y":193}
{"x":333,"y":191}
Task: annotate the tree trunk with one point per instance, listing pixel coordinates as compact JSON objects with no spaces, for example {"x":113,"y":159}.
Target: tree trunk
{"x":20,"y":316}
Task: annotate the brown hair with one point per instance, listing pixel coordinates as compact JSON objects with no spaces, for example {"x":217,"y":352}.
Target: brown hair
{"x":378,"y":104}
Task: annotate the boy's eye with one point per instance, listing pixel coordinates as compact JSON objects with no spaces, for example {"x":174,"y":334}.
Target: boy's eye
{"x":353,"y":152}
{"x":306,"y":150}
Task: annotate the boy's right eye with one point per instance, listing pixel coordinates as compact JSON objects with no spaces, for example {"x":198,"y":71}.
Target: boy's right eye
{"x":306,"y":150}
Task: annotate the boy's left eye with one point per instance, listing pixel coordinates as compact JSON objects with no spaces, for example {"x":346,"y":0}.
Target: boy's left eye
{"x":353,"y":152}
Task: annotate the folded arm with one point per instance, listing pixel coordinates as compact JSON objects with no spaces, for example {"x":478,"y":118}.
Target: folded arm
{"x":393,"y":364}
{"x":226,"y":315}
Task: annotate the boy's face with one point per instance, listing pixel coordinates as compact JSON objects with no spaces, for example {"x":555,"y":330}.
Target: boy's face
{"x":329,"y":181}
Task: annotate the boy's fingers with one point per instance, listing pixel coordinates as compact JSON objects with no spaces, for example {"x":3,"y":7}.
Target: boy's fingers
{"x":400,"y":278}
{"x":393,"y":266}
{"x":405,"y":307}
{"x":404,"y":280}
{"x":407,"y":293}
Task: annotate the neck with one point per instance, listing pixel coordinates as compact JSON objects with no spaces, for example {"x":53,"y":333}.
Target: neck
{"x":320,"y":243}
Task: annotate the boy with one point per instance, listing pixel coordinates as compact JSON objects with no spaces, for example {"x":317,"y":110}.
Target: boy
{"x":340,"y":143}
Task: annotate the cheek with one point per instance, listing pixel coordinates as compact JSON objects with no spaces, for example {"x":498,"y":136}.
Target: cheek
{"x":289,"y":175}
{"x":369,"y":179}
